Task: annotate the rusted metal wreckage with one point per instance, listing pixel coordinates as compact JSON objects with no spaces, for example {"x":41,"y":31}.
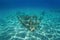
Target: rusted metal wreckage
{"x":30,"y":22}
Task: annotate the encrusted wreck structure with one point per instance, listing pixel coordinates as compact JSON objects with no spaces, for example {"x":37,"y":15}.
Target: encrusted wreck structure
{"x":30,"y":22}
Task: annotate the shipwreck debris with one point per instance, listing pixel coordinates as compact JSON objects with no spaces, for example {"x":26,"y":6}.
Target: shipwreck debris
{"x":30,"y":22}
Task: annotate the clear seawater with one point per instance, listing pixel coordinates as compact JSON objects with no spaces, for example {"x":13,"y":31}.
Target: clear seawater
{"x":11,"y":29}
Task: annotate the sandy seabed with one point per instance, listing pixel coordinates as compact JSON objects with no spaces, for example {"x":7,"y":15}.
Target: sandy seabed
{"x":12,"y":29}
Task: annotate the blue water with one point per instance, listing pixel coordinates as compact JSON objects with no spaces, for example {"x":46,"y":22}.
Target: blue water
{"x":12,"y":29}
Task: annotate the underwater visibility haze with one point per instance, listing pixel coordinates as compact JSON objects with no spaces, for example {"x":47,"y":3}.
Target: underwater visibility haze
{"x":29,"y":19}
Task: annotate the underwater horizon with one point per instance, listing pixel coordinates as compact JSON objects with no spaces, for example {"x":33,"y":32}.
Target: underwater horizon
{"x":29,"y":19}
